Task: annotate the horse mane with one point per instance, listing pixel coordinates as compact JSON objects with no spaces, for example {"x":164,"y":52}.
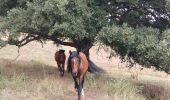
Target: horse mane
{"x":72,"y":55}
{"x":61,"y":51}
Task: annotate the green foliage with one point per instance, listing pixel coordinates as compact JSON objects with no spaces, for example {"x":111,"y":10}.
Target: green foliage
{"x":5,"y":5}
{"x":2,"y":43}
{"x":71,"y":19}
{"x":142,"y":45}
{"x":150,"y":13}
{"x":154,"y":3}
{"x":129,"y":1}
{"x":33,"y":19}
{"x":132,"y":17}
{"x":168,"y":5}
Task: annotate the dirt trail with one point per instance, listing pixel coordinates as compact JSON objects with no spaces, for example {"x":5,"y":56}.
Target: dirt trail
{"x":68,"y":82}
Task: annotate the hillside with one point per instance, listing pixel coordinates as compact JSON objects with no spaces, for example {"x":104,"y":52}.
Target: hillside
{"x":33,"y":76}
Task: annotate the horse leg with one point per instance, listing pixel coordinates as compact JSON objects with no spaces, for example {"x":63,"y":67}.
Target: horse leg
{"x":63,"y":70}
{"x":60,"y":69}
{"x":58,"y":66}
{"x":68,"y":68}
{"x":79,"y":89}
{"x":75,"y":84}
{"x":82,"y":83}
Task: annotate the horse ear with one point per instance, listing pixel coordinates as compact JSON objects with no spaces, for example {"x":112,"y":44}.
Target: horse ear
{"x":70,"y":52}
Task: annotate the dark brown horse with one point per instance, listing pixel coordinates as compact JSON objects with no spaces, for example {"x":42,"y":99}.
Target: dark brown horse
{"x":78,"y":66}
{"x":60,"y":58}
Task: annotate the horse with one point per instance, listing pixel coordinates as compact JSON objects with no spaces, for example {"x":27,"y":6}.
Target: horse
{"x":78,"y":66}
{"x":60,"y":58}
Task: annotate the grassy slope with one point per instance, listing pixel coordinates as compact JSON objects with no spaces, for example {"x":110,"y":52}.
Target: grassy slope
{"x":32,"y":80}
{"x":33,"y":76}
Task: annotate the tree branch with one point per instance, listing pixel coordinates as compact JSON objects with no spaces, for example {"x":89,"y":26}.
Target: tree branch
{"x":37,"y":36}
{"x":61,"y":42}
{"x":25,"y":40}
{"x":56,"y":40}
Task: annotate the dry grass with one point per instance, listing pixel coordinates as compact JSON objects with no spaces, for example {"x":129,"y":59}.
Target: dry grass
{"x":42,"y":82}
{"x":33,"y":76}
{"x":37,"y":80}
{"x":107,"y":88}
{"x":49,"y":89}
{"x":154,"y":92}
{"x":21,"y":80}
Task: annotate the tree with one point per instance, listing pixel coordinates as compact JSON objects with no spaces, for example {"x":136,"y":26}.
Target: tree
{"x":72,"y":23}
{"x":74,"y":20}
{"x":140,"y":13}
{"x":140,"y":45}
{"x":145,"y":37}
{"x":82,"y":23}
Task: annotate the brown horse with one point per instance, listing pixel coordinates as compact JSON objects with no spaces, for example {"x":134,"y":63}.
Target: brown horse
{"x":60,"y":58}
{"x":78,"y":65}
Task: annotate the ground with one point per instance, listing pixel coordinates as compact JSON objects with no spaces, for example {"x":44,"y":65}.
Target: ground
{"x":33,"y":75}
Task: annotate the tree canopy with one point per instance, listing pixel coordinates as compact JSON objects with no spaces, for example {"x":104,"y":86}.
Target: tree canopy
{"x":56,"y":20}
{"x":136,"y":30}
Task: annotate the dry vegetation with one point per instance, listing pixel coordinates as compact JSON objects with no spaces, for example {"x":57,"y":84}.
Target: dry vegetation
{"x":31,"y":80}
{"x":33,"y":76}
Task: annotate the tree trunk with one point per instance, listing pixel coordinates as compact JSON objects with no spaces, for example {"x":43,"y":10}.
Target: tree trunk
{"x":85,"y":48}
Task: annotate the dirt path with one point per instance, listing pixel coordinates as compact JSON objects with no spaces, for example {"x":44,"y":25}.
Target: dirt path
{"x":68,"y":82}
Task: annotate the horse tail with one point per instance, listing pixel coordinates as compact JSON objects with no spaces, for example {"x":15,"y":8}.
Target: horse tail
{"x":69,"y":65}
{"x":93,"y":68}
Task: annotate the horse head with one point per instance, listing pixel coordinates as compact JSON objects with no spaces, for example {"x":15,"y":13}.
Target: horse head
{"x":74,"y":62}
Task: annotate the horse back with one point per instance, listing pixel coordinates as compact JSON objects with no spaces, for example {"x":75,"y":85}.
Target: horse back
{"x":60,"y":57}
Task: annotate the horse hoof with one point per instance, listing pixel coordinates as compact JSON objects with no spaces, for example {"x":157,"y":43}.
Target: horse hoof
{"x":82,"y":93}
{"x":83,"y":96}
{"x":61,"y":74}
